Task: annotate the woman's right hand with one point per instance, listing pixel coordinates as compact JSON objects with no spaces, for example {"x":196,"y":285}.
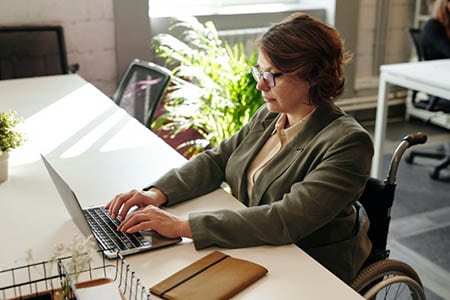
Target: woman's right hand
{"x":122,"y":203}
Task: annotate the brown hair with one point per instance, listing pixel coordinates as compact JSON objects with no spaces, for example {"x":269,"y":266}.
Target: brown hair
{"x":311,"y":49}
{"x":442,"y":14}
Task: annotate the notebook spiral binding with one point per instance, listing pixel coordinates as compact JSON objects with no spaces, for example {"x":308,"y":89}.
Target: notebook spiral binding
{"x":52,"y":279}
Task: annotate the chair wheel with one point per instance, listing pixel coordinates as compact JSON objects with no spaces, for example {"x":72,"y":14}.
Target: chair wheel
{"x":409,"y":158}
{"x":434,"y":174}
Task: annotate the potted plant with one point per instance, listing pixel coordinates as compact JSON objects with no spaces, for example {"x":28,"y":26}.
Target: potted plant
{"x":10,"y":138}
{"x":212,"y":91}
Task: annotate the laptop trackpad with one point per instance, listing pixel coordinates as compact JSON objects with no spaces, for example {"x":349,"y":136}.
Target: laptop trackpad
{"x":156,"y":240}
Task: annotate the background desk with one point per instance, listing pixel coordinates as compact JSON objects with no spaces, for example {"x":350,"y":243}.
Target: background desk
{"x":101,"y":151}
{"x":431,"y":77}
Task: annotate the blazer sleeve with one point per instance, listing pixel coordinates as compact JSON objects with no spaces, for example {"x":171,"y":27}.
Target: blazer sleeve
{"x":205,"y":172}
{"x":328,"y":189}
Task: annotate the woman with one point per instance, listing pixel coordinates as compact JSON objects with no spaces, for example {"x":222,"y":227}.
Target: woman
{"x":299,"y":165}
{"x":435,"y":35}
{"x":435,"y":41}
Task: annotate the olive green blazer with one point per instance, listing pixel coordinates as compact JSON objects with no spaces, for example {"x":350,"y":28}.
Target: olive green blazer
{"x":306,"y":195}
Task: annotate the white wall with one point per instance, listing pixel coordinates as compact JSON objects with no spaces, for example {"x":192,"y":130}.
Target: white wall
{"x":88,"y":29}
{"x":133,"y":35}
{"x":400,"y":16}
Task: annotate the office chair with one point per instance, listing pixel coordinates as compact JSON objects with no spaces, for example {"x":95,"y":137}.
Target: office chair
{"x":28,"y":51}
{"x":433,"y":104}
{"x":381,"y":277}
{"x":141,"y":89}
{"x":414,"y":35}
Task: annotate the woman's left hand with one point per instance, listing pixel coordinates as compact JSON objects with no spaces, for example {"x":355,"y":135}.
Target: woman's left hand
{"x":152,"y":217}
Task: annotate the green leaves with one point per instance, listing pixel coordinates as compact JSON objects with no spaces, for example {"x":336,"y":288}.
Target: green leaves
{"x":213,"y":91}
{"x":9,"y":137}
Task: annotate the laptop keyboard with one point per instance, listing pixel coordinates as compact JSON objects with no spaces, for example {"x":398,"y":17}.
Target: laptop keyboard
{"x":106,"y":229}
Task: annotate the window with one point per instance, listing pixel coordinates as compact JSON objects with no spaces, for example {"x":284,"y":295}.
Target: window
{"x":167,"y":8}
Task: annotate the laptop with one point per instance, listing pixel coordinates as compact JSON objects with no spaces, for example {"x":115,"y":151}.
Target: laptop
{"x":97,"y":222}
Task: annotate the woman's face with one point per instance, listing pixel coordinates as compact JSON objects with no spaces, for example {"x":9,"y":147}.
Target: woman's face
{"x":290,"y":93}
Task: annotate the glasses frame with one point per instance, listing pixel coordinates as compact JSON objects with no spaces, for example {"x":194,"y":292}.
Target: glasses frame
{"x":268,"y":77}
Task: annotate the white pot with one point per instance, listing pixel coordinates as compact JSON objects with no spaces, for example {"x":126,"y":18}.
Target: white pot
{"x":4,"y":166}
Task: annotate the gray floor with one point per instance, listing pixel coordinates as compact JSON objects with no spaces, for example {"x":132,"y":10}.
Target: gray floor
{"x":420,"y":229}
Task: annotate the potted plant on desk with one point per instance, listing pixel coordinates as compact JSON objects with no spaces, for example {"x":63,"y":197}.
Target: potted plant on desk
{"x":10,"y":138}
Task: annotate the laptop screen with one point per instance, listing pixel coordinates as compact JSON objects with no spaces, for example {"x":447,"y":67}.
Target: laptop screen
{"x":69,"y":198}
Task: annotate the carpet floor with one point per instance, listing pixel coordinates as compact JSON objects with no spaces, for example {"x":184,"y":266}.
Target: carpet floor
{"x":420,"y":226}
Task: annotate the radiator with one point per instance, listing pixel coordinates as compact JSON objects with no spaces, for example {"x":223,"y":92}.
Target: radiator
{"x":367,"y":102}
{"x":246,"y":36}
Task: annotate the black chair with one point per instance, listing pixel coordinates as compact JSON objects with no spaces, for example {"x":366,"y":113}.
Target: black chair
{"x":381,"y":277}
{"x":432,"y":103}
{"x":414,"y":35}
{"x":28,"y":51}
{"x":141,"y":89}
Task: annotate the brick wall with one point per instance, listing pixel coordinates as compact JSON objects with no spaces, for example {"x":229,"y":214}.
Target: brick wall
{"x":400,"y":16}
{"x":88,"y":29}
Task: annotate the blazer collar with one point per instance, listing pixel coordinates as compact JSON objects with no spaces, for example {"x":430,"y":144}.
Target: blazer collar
{"x":321,"y":117}
{"x":324,"y":115}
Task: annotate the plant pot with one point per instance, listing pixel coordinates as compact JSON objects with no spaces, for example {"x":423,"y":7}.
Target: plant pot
{"x":4,"y":166}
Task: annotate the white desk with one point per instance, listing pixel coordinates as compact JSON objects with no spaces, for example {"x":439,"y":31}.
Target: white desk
{"x":101,"y":151}
{"x":431,"y":77}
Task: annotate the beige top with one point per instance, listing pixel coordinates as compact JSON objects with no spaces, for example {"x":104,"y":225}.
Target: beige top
{"x":280,"y":137}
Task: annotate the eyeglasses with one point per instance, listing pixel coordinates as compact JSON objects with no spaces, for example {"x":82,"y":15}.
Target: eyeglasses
{"x":269,"y":78}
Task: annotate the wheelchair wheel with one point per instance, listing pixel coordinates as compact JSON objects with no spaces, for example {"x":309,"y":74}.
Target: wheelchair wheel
{"x":396,"y":287}
{"x":388,"y":279}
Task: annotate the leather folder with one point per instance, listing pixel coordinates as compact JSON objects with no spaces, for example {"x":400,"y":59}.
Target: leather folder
{"x":215,"y":276}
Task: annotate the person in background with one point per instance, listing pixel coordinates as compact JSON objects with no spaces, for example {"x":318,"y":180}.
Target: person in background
{"x":299,"y":166}
{"x":435,"y":34}
{"x":435,"y":42}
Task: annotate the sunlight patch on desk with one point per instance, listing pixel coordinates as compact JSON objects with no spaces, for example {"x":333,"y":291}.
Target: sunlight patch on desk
{"x":130,"y":135}
{"x":80,"y":110}
{"x":90,"y":139}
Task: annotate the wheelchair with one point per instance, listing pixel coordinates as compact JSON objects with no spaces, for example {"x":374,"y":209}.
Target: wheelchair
{"x":381,"y":277}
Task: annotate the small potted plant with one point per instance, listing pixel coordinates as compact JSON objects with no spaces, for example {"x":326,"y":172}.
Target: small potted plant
{"x":10,"y":138}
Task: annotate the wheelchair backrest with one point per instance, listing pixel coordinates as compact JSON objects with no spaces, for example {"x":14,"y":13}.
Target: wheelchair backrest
{"x":377,"y":200}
